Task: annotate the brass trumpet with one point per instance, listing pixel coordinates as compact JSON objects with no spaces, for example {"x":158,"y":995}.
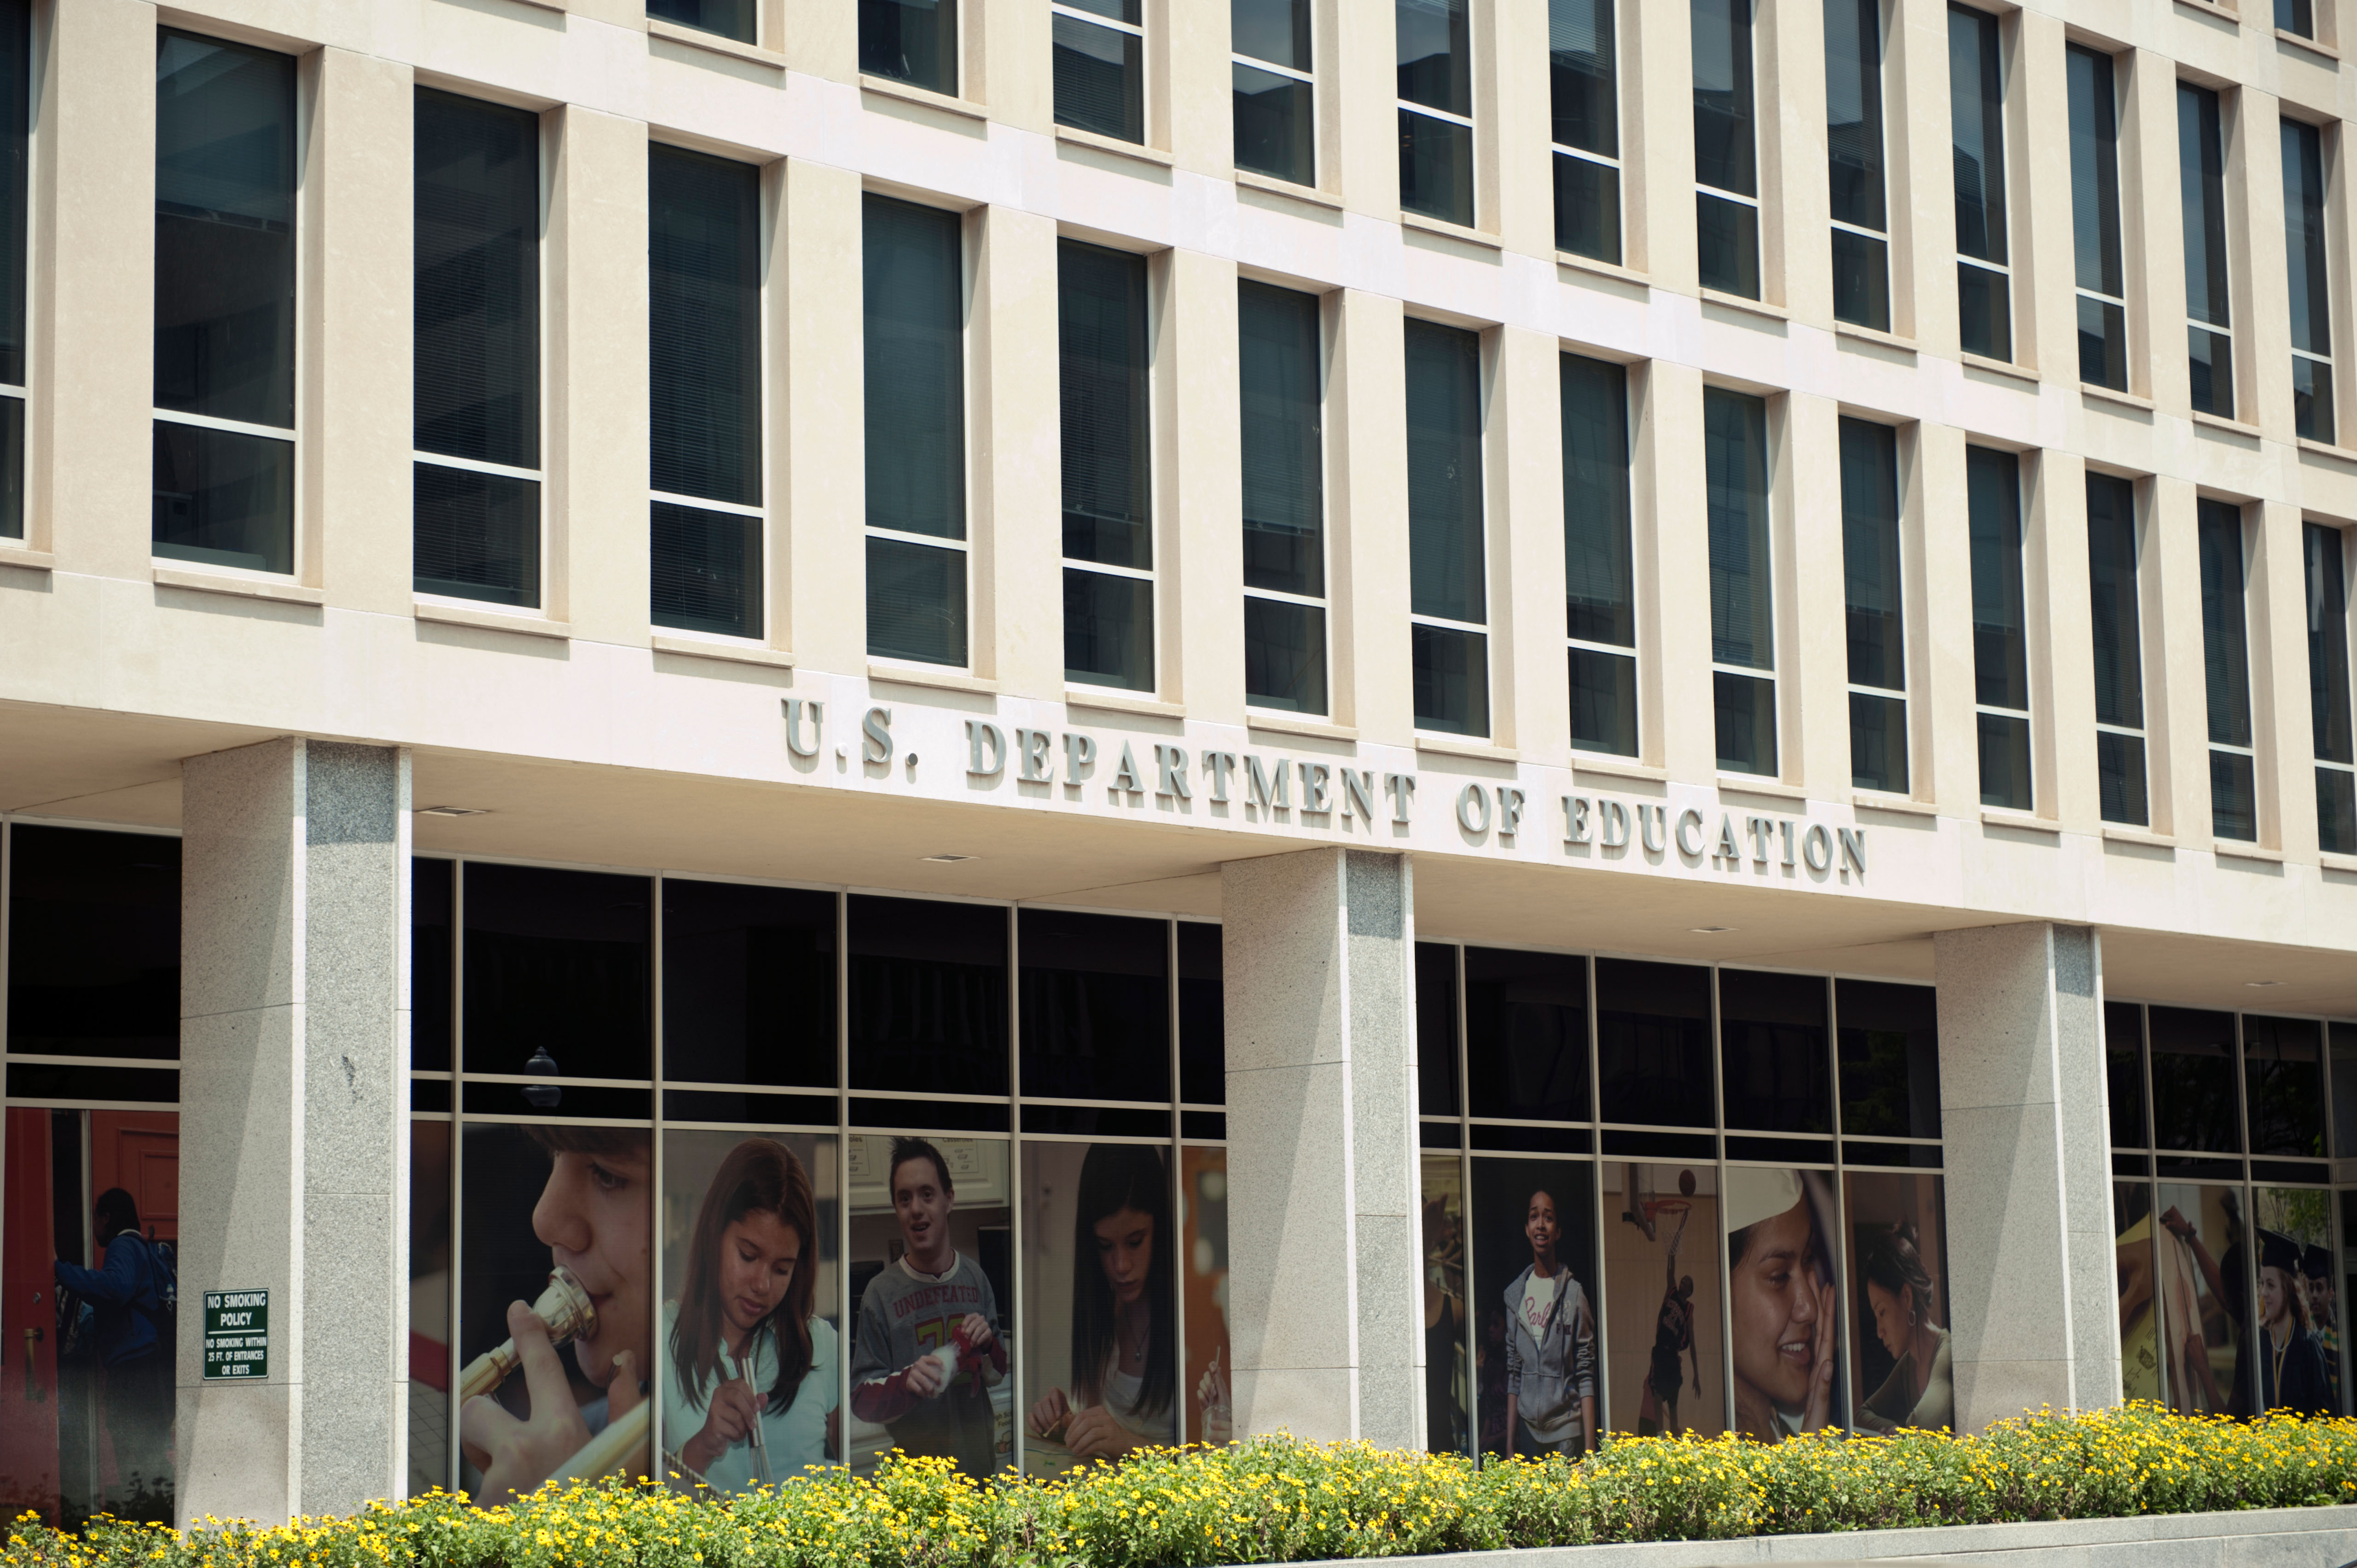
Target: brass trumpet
{"x":567,"y":1310}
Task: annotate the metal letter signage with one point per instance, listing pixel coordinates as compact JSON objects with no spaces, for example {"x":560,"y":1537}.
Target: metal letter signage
{"x":237,"y":1334}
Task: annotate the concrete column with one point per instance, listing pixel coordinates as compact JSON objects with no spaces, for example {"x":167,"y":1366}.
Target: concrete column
{"x":1322,"y":1273}
{"x":293,"y":1165}
{"x":2035,"y":1313}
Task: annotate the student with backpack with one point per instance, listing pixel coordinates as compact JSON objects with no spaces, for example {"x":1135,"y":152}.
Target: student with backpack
{"x":133,"y":1297}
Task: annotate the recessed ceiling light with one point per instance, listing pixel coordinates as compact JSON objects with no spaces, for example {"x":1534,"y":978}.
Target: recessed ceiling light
{"x":947,"y":859}
{"x":454,"y":811}
{"x":2255,"y":982}
{"x":1709,"y":931}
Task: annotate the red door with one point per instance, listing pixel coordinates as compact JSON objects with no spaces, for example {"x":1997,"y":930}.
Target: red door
{"x":139,"y":1151}
{"x":29,"y":1324}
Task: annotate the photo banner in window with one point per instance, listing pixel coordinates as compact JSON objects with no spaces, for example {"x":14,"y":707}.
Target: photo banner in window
{"x":1203,"y":1263}
{"x":1898,"y":1266}
{"x":93,"y":1225}
{"x":1101,"y":1376}
{"x":556,"y":1286}
{"x":1665,"y":1359}
{"x":930,"y":1255}
{"x":2204,"y":1299}
{"x":1783,"y":1315}
{"x":429,"y":1306}
{"x":2138,"y":1257}
{"x":2300,"y":1318}
{"x":1448,"y":1380}
{"x":749,"y":1342}
{"x":1532,"y":1229}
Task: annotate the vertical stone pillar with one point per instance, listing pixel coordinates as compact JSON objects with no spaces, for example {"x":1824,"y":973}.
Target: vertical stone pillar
{"x":293,"y":1165}
{"x":2022,"y":1099}
{"x":1323,"y":1259}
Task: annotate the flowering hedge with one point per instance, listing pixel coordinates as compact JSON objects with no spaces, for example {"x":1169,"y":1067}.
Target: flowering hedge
{"x":1282,"y":1500}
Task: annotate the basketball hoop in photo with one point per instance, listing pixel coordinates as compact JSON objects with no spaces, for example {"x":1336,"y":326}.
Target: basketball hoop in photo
{"x":1646,"y":1206}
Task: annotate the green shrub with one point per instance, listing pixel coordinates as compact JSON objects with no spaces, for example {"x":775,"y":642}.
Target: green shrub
{"x":1278,"y":1500}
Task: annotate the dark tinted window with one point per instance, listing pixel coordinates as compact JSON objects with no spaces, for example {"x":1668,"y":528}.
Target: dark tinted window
{"x":430,"y":1012}
{"x":1202,"y":1016}
{"x":1435,"y":1028}
{"x":2194,"y":1105}
{"x":94,"y":944}
{"x":1097,"y":1006}
{"x":1653,"y":1042}
{"x":928,"y":996}
{"x":2124,"y":1071}
{"x":749,"y":984}
{"x":2282,"y":1069}
{"x":556,"y":961}
{"x":1774,"y":1070}
{"x":1889,"y":1050}
{"x":1527,"y":1034}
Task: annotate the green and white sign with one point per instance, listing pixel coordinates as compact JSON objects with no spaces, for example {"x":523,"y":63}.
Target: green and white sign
{"x":237,"y":1334}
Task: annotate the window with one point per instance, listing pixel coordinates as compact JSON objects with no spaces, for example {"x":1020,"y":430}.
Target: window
{"x":704,"y":436}
{"x":1587,"y":105}
{"x":2296,"y":17}
{"x":915,"y":41}
{"x":2112,"y":587}
{"x":2311,"y":284}
{"x":1436,"y":108}
{"x":729,"y":19}
{"x":2000,"y":626}
{"x":1447,"y":563}
{"x":477,"y":497}
{"x":1108,"y":511}
{"x":913,"y":312}
{"x":2201,"y":187}
{"x":2226,"y":671}
{"x":1278,"y":364}
{"x":225,"y":435}
{"x":1099,"y":54}
{"x":16,"y":135}
{"x":1727,"y":176}
{"x":1977,"y":116}
{"x":1871,"y":597}
{"x":2327,"y":687}
{"x":1854,"y":152}
{"x":1275,"y":95}
{"x":2095,"y":219}
{"x":1600,"y":594}
{"x":1742,"y":594}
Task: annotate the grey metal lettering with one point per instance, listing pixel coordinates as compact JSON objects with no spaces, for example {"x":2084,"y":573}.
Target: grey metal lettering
{"x":1654,"y":826}
{"x":1726,"y":848}
{"x":1359,"y":792}
{"x":1761,"y":829}
{"x":793,"y":707}
{"x":1689,"y":817}
{"x":1786,"y":825}
{"x":1403,"y":790}
{"x":1817,"y":848}
{"x":1170,"y":761}
{"x":977,"y":732}
{"x":1079,"y":756}
{"x":1316,"y":780}
{"x":1032,"y":763}
{"x":1577,"y":828}
{"x":1613,"y":822}
{"x":1509,"y":811}
{"x":1469,"y":797}
{"x":875,"y":731}
{"x":1218,"y":765}
{"x":1853,"y":842}
{"x":1258,"y":791}
{"x":1125,"y":776}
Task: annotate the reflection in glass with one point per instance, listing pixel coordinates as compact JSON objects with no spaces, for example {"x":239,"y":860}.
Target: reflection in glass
{"x":1854,"y":157}
{"x":2205,"y":1299}
{"x":2283,"y":1073}
{"x":1890,"y":1052}
{"x":476,"y":535}
{"x":2194,"y":1104}
{"x":1775,"y":1071}
{"x":223,"y":497}
{"x":914,"y":41}
{"x":1448,"y":1376}
{"x":2201,"y":188}
{"x":2136,"y":1253}
{"x":2124,"y":1072}
{"x":1275,"y":118}
{"x":1585,"y":100}
{"x":704,"y":284}
{"x":1435,"y":1028}
{"x":1527,"y":1034}
{"x":928,"y":995}
{"x":2095,"y":218}
{"x":556,"y":963}
{"x":749,"y":984}
{"x":1653,"y":1042}
{"x":916,"y":602}
{"x":1444,"y":473}
{"x":1108,"y":630}
{"x":1873,"y":603}
{"x":93,"y":943}
{"x":1095,"y":1005}
{"x":1100,"y":76}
